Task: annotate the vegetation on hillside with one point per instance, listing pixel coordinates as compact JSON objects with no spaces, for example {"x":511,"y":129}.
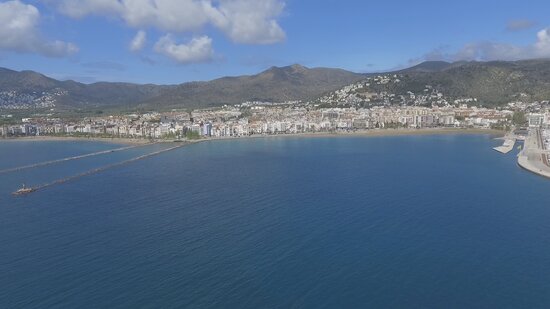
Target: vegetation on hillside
{"x":492,"y":83}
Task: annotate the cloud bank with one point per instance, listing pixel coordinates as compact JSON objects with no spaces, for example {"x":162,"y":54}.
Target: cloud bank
{"x":19,"y":32}
{"x":489,"y":51}
{"x":242,"y":21}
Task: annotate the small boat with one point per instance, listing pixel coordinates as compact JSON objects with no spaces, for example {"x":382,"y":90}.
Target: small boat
{"x":24,"y":190}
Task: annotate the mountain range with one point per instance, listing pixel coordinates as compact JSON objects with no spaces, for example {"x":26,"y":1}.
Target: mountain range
{"x":277,"y":84}
{"x":493,"y":83}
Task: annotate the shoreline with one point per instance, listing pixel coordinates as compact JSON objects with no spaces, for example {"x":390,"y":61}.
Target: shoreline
{"x":365,"y":133}
{"x":525,"y":163}
{"x":46,"y":138}
{"x":376,"y":133}
{"x":530,"y":158}
{"x":396,"y":132}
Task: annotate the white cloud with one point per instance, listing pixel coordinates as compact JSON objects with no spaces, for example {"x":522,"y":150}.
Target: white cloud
{"x":520,"y":24}
{"x":244,"y":21}
{"x":249,"y":21}
{"x":542,"y":47}
{"x":167,"y":15}
{"x":488,"y":51}
{"x":19,"y":31}
{"x":197,"y":50}
{"x":139,"y":41}
{"x":78,"y":9}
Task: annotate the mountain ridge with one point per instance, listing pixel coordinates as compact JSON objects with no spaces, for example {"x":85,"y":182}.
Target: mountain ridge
{"x":276,"y":84}
{"x":493,"y":82}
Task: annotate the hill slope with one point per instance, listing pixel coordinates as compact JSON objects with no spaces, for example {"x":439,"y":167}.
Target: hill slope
{"x":30,"y":89}
{"x":274,"y":85}
{"x":492,"y":83}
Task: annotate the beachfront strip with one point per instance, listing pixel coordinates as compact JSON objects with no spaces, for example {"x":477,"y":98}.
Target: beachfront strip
{"x":262,"y":119}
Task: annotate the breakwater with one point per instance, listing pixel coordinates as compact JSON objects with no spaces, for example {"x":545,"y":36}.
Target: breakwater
{"x":103,"y":168}
{"x":46,"y":163}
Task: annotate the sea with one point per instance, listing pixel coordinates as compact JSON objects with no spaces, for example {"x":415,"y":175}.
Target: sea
{"x":437,"y":221}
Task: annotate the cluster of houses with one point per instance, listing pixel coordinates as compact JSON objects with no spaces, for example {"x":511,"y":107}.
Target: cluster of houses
{"x":262,"y":120}
{"x":384,"y":90}
{"x":17,"y":100}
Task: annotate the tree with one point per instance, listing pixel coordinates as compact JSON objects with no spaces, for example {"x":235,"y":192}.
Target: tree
{"x":190,"y":134}
{"x":519,"y":118}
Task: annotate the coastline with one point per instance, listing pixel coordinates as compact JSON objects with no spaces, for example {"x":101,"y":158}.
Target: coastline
{"x":403,"y":132}
{"x":378,"y":133}
{"x":364,"y":133}
{"x":525,"y":163}
{"x":530,"y":158}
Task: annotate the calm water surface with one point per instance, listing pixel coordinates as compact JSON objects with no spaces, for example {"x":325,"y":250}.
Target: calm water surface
{"x":415,"y":221}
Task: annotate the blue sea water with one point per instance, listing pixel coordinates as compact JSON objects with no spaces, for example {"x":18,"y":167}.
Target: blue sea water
{"x":348,"y":222}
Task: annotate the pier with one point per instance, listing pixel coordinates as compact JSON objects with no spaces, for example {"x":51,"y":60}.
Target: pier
{"x":103,"y":168}
{"x":508,"y":146}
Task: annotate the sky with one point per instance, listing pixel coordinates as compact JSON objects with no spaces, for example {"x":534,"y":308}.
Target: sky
{"x":175,"y":41}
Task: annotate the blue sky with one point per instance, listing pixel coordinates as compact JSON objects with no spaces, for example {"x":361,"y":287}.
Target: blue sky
{"x":173,"y":41}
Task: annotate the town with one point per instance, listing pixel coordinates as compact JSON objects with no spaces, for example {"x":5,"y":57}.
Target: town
{"x":365,"y":105}
{"x":261,"y":120}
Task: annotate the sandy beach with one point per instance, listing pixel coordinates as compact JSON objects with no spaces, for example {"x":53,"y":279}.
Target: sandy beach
{"x":365,"y":133}
{"x":380,"y":133}
{"x":401,"y":132}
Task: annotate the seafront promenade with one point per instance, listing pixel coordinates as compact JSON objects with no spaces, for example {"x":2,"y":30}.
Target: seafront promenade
{"x":533,"y":157}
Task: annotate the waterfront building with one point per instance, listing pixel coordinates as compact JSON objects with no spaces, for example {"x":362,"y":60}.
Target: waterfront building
{"x":535,"y":120}
{"x":207,"y":129}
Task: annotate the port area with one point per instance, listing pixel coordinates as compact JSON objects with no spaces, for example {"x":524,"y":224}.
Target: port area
{"x":534,"y":156}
